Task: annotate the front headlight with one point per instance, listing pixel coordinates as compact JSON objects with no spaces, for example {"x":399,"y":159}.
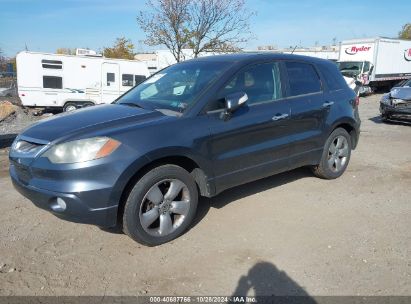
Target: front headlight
{"x":396,"y":101}
{"x":82,"y":150}
{"x":386,"y":99}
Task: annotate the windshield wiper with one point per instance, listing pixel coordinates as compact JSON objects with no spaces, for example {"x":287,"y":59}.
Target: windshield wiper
{"x":131,"y":104}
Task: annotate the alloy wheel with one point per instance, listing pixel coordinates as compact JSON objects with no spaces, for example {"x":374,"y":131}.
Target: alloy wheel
{"x":164,"y":207}
{"x":338,"y":154}
{"x":71,"y":108}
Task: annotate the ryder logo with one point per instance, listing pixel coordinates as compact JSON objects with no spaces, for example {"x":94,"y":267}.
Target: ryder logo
{"x":407,"y":54}
{"x":354,"y":50}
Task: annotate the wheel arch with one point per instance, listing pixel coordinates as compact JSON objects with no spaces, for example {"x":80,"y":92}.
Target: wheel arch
{"x":349,"y":126}
{"x":181,"y":160}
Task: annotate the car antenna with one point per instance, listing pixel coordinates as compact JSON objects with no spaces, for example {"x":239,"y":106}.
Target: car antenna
{"x":294,"y":49}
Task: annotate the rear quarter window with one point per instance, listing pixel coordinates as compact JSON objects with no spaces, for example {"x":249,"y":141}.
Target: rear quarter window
{"x":332,"y":77}
{"x":302,"y":78}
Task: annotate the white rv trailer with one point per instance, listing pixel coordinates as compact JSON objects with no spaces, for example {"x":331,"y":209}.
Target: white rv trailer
{"x":376,"y":62}
{"x":70,"y":82}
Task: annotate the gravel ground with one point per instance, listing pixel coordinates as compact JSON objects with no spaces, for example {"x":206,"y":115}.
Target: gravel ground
{"x":290,"y":234}
{"x":21,"y":119}
{"x":18,"y":121}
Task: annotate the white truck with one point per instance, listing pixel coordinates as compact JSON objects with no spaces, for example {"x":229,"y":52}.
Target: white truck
{"x":375,"y":62}
{"x":69,"y":82}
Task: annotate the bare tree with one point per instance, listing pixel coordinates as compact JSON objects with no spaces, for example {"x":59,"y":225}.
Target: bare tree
{"x":202,"y":25}
{"x":218,"y":26}
{"x":166,"y":24}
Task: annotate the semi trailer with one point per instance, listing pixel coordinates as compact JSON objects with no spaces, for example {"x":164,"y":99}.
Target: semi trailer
{"x":378,"y":63}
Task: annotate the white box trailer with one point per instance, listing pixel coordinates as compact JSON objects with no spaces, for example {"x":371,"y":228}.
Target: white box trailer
{"x":376,"y":62}
{"x":69,"y":82}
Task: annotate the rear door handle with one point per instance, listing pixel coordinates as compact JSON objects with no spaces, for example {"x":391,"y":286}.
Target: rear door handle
{"x":328,"y":104}
{"x":279,"y":116}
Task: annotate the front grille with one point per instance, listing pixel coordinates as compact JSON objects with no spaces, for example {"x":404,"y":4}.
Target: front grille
{"x":22,"y":172}
{"x":23,"y":151}
{"x":402,"y":105}
{"x":22,"y":146}
{"x":25,"y":146}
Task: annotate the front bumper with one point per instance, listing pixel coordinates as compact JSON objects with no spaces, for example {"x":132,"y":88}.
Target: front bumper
{"x":77,"y":204}
{"x":386,"y":109}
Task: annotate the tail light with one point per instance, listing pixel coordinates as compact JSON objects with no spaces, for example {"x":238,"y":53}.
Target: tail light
{"x":357,"y":101}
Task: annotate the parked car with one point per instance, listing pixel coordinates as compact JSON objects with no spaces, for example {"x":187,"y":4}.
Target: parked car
{"x":195,"y":128}
{"x":397,"y":102}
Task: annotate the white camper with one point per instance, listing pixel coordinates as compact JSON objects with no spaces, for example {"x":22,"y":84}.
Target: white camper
{"x":69,"y":82}
{"x":376,"y":62}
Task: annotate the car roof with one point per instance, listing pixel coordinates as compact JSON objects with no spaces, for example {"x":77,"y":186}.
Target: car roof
{"x":256,"y":57}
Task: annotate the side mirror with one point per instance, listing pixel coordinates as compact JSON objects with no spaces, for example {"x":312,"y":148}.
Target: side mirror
{"x":233,"y":102}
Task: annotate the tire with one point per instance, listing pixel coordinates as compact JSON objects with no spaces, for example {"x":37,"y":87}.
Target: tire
{"x":69,"y":106}
{"x":385,"y":117}
{"x":148,"y":200}
{"x":88,"y":104}
{"x":336,"y":155}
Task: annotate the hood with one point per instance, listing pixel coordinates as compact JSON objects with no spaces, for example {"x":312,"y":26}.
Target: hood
{"x":403,"y":93}
{"x":89,"y":119}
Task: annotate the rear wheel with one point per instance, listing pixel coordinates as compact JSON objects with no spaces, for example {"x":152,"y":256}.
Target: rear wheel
{"x":161,"y":205}
{"x":336,"y":155}
{"x":88,"y":104}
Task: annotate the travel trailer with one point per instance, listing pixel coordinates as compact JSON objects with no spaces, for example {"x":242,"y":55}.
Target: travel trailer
{"x":376,"y":62}
{"x":69,"y":82}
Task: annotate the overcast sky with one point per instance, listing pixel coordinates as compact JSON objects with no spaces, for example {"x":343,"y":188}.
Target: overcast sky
{"x":45,"y":25}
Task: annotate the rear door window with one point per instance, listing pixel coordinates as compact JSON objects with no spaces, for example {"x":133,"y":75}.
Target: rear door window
{"x":332,"y":77}
{"x":302,"y":78}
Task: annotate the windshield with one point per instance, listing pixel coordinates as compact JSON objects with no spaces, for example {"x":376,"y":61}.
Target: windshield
{"x":174,"y":88}
{"x":350,"y":69}
{"x":407,"y":83}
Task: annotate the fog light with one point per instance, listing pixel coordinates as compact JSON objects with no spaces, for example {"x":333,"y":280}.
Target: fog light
{"x":59,"y":205}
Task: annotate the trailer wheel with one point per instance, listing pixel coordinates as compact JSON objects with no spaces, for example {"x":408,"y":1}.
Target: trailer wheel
{"x":88,"y":104}
{"x":69,"y":106}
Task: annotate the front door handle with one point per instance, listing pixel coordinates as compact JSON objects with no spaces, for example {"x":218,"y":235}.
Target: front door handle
{"x":279,"y":116}
{"x":328,"y":104}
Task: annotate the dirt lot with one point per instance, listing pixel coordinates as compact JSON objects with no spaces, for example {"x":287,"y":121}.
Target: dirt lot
{"x":288,"y":234}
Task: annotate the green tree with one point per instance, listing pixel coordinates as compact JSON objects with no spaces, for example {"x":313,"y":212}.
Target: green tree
{"x":122,"y":49}
{"x":66,"y":51}
{"x":405,"y":33}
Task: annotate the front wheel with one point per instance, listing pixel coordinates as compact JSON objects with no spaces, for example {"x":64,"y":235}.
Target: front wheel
{"x":161,"y":206}
{"x":385,"y":117}
{"x":336,"y":155}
